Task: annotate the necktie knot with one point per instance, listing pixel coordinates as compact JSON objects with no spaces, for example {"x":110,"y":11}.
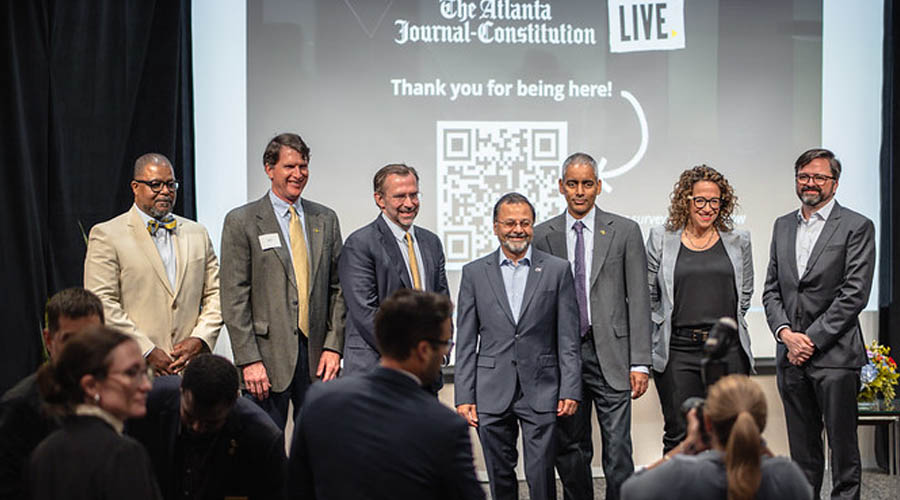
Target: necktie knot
{"x":168,"y":223}
{"x":578,"y":226}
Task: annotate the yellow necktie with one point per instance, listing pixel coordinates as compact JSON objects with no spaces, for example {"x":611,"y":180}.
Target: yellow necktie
{"x":301,"y":270}
{"x":413,"y":265}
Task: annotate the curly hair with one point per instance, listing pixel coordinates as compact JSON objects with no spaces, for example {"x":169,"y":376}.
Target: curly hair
{"x":680,"y":204}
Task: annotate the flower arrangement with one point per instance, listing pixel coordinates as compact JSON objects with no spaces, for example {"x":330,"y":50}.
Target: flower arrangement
{"x":879,"y":375}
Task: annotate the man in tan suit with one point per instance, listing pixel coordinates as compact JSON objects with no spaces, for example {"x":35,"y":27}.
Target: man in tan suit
{"x":281,"y":298}
{"x":156,"y":273}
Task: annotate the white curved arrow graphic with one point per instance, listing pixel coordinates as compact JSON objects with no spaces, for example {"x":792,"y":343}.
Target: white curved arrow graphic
{"x":642,"y":149}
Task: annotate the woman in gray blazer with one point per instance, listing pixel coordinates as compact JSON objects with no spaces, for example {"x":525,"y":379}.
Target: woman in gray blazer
{"x":699,"y":270}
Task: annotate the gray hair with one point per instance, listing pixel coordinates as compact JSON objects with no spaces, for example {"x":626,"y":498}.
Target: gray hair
{"x":578,"y":159}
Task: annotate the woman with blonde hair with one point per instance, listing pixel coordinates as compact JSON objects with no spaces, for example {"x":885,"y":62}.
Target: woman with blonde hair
{"x":732,"y":461}
{"x":700,"y":269}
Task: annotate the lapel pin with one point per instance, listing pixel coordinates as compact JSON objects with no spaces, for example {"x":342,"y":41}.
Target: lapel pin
{"x":603,"y":231}
{"x":315,"y":230}
{"x":537,"y":269}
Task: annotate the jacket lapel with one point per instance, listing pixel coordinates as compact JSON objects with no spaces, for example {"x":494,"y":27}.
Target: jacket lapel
{"x":315,"y":238}
{"x":834,"y":219}
{"x":671,"y":246}
{"x":145,"y":243}
{"x":182,"y":250}
{"x":495,"y":278}
{"x":603,"y":237}
{"x":733,"y":249}
{"x":267,"y":224}
{"x":393,"y":252}
{"x":792,"y":248}
{"x":535,"y":273}
{"x":556,"y":237}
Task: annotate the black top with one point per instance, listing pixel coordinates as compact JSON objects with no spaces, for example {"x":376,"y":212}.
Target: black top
{"x":87,"y":459}
{"x":23,"y":425}
{"x":704,"y":287}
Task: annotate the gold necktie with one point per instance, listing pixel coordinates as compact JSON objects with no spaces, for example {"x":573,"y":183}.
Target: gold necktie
{"x":301,"y":270}
{"x":413,"y":265}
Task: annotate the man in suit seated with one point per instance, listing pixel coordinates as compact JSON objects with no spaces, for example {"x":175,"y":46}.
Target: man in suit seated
{"x":205,"y":441}
{"x":519,"y":358}
{"x":23,"y":424}
{"x":379,"y":435}
{"x":156,"y":273}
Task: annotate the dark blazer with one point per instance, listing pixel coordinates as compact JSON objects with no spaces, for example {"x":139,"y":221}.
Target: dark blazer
{"x":380,"y":436}
{"x":248,"y":454}
{"x":542,"y":349}
{"x":87,"y":459}
{"x":371,"y":269}
{"x":620,"y":301}
{"x":259,"y":291}
{"x":23,"y":425}
{"x":835,"y":287}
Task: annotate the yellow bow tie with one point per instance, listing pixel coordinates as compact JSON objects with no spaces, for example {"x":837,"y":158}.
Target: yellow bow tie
{"x":168,"y":224}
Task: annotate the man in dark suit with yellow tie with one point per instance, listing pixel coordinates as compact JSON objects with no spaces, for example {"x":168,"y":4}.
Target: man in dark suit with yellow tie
{"x":281,"y":299}
{"x":380,"y":258}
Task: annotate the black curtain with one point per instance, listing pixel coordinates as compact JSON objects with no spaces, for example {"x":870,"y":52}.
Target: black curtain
{"x":889,"y":309}
{"x":88,"y":86}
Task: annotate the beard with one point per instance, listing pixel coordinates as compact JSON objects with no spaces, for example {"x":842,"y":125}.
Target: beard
{"x":161,"y":213}
{"x":812,"y":197}
{"x":516,"y":247}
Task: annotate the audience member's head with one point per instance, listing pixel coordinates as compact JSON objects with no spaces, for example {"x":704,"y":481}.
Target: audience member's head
{"x":735,"y":416}
{"x":209,"y":390}
{"x":414,"y":332}
{"x":69,"y":312}
{"x":101,"y":367}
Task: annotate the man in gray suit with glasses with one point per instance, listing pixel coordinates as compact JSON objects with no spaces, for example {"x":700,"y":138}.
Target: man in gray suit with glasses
{"x":820,"y":274}
{"x":518,"y":360}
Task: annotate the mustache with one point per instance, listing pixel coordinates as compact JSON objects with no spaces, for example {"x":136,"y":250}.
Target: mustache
{"x":517,"y":235}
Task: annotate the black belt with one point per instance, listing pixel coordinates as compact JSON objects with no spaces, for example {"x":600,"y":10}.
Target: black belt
{"x":693,"y":334}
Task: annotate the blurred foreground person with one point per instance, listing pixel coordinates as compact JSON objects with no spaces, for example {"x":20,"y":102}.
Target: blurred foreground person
{"x":98,"y":381}
{"x":23,"y":422}
{"x":205,"y":441}
{"x":385,"y":437}
{"x":727,"y":458}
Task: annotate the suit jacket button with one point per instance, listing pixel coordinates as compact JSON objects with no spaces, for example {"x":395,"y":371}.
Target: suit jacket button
{"x":296,"y":331}
{"x":294,"y":302}
{"x":514,"y":362}
{"x":174,"y":305}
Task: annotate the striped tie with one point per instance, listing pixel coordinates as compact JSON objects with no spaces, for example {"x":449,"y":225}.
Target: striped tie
{"x":167,"y":223}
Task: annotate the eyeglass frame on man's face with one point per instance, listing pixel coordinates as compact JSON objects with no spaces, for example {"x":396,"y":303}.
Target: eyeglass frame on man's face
{"x":818,"y":179}
{"x":172,"y":185}
{"x":700,"y":202}
{"x":511,"y":224}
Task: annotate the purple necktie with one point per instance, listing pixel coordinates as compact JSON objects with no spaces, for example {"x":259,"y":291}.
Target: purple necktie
{"x":580,"y":291}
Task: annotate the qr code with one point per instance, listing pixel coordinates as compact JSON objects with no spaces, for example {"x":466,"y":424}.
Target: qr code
{"x":477,"y":163}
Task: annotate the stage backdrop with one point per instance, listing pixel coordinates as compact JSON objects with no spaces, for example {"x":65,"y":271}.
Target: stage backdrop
{"x":486,"y":97}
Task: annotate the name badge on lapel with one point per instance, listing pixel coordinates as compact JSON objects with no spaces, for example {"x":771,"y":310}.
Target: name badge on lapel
{"x":271,"y":240}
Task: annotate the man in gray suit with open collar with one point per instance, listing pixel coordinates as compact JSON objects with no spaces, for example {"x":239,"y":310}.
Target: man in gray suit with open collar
{"x":384,"y":256}
{"x":820,"y":274}
{"x":606,"y":252}
{"x":517,"y":360}
{"x":281,"y":299}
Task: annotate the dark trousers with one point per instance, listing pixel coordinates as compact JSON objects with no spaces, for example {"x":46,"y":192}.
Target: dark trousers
{"x":575,"y":449}
{"x":682,"y":379}
{"x":810,"y":394}
{"x":276,"y":405}
{"x":498,"y":435}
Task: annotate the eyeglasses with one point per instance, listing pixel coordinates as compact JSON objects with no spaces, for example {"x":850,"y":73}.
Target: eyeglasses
{"x":156,"y":186}
{"x":446,"y":343}
{"x":511,"y":224}
{"x":701,"y":202}
{"x":818,"y":179}
{"x":400,"y":198}
{"x":135,"y":374}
